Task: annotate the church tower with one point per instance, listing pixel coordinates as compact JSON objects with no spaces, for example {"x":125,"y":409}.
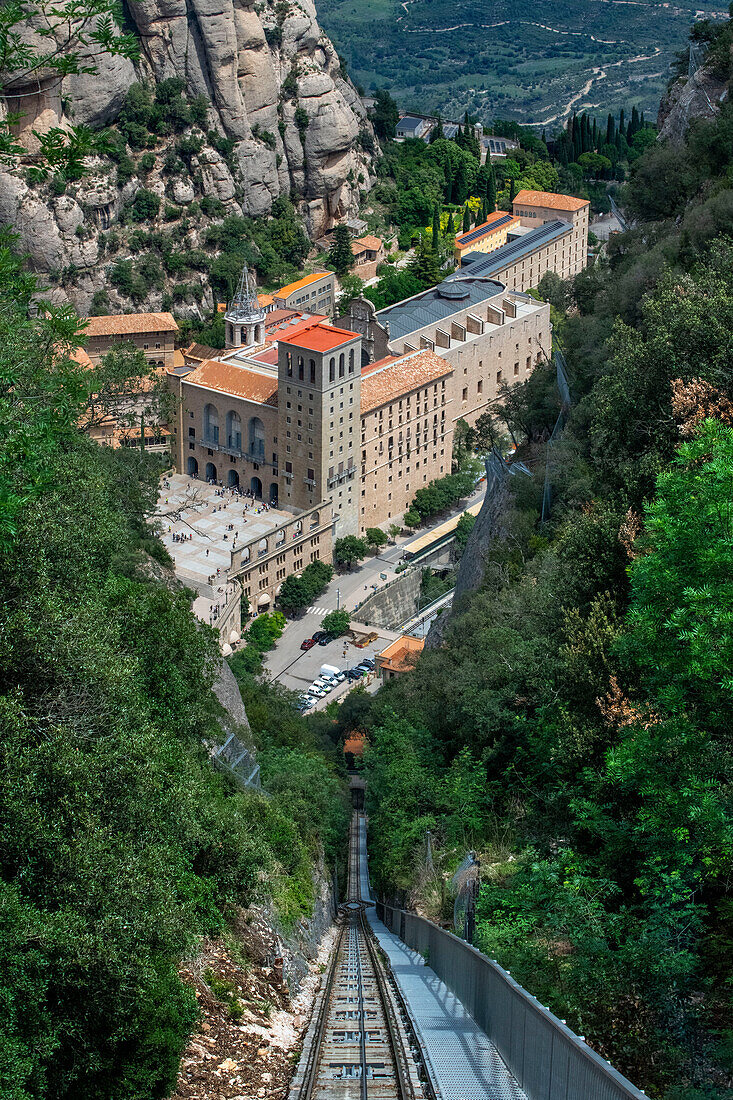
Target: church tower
{"x":244,"y":320}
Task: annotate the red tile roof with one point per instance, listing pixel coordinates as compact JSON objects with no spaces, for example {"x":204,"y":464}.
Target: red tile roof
{"x":549,"y":200}
{"x":314,"y":335}
{"x":236,"y":381}
{"x":123,"y":324}
{"x":401,"y":376}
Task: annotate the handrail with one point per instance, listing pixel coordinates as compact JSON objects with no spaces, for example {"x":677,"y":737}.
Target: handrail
{"x":548,"y":1060}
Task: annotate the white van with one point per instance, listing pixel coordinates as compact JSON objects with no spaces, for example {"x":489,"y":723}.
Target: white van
{"x":329,"y":672}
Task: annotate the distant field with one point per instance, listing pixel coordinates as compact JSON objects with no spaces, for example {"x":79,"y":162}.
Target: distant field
{"x":530,"y":60}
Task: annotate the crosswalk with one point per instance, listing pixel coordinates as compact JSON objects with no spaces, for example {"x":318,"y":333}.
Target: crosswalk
{"x":318,"y":610}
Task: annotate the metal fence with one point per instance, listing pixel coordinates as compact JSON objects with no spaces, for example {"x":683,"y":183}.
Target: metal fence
{"x":547,"y":1059}
{"x":237,"y":762}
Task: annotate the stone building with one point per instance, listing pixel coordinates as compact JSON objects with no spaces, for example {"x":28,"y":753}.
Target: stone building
{"x":486,"y":237}
{"x":312,"y":294}
{"x":521,"y":263}
{"x":406,"y":432}
{"x":368,"y":254}
{"x":487,"y":334}
{"x":540,"y":207}
{"x":152,"y":333}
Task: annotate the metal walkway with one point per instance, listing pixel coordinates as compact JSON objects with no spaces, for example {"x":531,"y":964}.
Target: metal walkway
{"x":464,"y":1064}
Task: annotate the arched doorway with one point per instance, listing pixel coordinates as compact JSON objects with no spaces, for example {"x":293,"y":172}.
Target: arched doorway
{"x":210,"y":471}
{"x":273,"y":492}
{"x":192,"y":467}
{"x":233,"y":479}
{"x":256,"y":487}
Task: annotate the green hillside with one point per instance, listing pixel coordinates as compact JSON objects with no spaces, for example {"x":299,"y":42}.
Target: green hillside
{"x":520,"y":60}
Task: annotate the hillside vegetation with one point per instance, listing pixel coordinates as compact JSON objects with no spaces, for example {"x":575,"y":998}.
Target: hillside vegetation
{"x":530,"y":62}
{"x":120,"y":846}
{"x":574,"y":726}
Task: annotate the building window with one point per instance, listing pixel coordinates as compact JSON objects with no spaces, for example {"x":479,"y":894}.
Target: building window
{"x":480,"y":386}
{"x":498,"y":376}
{"x":465,"y":393}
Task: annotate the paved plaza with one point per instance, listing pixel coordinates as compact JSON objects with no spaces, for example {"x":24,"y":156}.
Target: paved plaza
{"x":202,"y":524}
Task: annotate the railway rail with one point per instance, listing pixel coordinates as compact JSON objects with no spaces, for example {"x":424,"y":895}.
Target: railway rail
{"x":357,"y":1047}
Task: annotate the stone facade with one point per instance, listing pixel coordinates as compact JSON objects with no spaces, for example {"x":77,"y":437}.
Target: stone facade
{"x":152,"y":333}
{"x":535,"y":208}
{"x":406,"y":434}
{"x":498,"y":339}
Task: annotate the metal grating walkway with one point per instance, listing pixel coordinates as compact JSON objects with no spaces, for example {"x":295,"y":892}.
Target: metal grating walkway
{"x":464,"y":1064}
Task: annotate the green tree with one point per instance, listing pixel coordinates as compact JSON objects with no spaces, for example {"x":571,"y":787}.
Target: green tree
{"x":423,"y":267}
{"x":349,"y":550}
{"x":376,"y":537}
{"x":412,"y":518}
{"x":295,"y":594}
{"x":340,"y":256}
{"x":336,"y":623}
{"x":385,"y":115}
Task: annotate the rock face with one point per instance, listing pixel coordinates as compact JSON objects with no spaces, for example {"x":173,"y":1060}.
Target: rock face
{"x":274,"y":83}
{"x":689,"y":98}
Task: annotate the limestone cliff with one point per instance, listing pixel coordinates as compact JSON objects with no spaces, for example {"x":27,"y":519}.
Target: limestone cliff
{"x":696,"y":97}
{"x":275,"y":88}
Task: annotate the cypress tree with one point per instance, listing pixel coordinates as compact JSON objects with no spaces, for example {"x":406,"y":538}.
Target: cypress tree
{"x":610,"y":130}
{"x":450,"y":230}
{"x":622,"y":121}
{"x":641,"y":121}
{"x":512,"y":190}
{"x":484,"y":214}
{"x":595,"y":134}
{"x":436,"y":226}
{"x":491,"y":191}
{"x":635,"y":122}
{"x":629,"y":132}
{"x":466,"y":219}
{"x":340,"y":256}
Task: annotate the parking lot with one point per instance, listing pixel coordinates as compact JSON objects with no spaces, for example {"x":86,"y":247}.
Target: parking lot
{"x":304,"y":666}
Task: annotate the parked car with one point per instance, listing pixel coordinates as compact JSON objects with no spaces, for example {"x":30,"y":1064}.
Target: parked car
{"x":305,"y":702}
{"x":318,"y":635}
{"x":307,"y":643}
{"x":325,"y":639}
{"x":340,"y":676}
{"x":368,"y":661}
{"x":323,"y":684}
{"x":355,"y":673}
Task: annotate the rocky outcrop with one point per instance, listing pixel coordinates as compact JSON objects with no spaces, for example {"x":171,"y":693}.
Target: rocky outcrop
{"x":489,"y":527}
{"x":689,"y":98}
{"x":275,"y":87}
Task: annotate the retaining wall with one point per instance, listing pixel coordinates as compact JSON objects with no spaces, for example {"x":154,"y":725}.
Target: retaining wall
{"x":547,"y":1059}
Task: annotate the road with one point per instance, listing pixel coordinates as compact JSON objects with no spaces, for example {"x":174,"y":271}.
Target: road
{"x":295,"y":668}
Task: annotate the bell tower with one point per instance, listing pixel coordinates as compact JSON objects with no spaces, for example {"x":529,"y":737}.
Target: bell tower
{"x":244,"y":320}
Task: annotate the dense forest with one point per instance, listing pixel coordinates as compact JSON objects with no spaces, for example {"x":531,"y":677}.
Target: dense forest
{"x":573,"y":728}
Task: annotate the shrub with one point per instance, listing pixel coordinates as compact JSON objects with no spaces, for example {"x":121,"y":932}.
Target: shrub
{"x":145,"y":206}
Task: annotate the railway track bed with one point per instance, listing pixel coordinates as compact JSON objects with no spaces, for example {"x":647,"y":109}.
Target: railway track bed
{"x":357,"y":1046}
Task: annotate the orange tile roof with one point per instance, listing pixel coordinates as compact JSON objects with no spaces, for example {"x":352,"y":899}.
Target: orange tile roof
{"x":307,"y":280}
{"x":400,"y":655}
{"x":236,"y":381}
{"x":374,"y":243}
{"x":489,"y":225}
{"x":357,"y":248}
{"x":123,"y":324}
{"x":549,"y":200}
{"x":265,"y":299}
{"x":314,"y":335}
{"x":401,"y":376}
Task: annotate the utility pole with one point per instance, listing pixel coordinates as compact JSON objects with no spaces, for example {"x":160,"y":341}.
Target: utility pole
{"x":338,"y":598}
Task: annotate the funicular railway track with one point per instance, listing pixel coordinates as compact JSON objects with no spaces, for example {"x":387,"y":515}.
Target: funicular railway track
{"x":357,"y":1048}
